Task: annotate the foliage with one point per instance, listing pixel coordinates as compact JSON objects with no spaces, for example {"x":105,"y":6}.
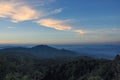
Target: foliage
{"x":27,"y":68}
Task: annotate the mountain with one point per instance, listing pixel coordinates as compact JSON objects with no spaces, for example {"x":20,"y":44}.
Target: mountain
{"x":43,"y":62}
{"x":40,"y":51}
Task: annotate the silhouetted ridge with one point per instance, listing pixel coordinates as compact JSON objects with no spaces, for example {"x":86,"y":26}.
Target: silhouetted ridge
{"x":41,"y":51}
{"x":43,"y":47}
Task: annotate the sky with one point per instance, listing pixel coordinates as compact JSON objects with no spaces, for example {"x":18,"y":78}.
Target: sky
{"x":59,"y":21}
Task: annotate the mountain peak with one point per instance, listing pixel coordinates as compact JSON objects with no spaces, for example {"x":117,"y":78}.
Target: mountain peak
{"x":43,"y":48}
{"x":40,"y":46}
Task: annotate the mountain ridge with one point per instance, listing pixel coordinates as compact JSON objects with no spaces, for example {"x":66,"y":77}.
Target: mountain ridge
{"x":41,"y":51}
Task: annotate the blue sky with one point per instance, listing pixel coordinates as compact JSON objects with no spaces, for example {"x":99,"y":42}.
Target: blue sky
{"x":59,"y":21}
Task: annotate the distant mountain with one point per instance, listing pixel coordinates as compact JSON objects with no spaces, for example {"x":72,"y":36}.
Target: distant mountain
{"x":40,"y":51}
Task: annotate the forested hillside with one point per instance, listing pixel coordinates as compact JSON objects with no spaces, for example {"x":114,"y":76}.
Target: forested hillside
{"x":79,"y":68}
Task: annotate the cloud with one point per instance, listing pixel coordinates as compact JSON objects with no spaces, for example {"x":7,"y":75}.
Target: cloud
{"x":82,"y":32}
{"x":56,"y":11}
{"x":18,"y":12}
{"x":56,"y":24}
{"x":25,"y":13}
{"x":99,"y":32}
{"x":53,"y":12}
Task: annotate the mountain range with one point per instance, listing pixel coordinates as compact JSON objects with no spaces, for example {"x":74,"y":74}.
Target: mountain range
{"x":43,"y":62}
{"x":39,"y":51}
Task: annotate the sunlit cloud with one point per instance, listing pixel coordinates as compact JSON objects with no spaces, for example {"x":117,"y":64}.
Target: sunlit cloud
{"x":56,"y":24}
{"x":100,"y":32}
{"x":18,"y":12}
{"x":82,"y":32}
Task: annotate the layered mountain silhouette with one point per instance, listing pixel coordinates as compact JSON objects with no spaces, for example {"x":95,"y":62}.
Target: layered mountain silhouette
{"x":40,"y":51}
{"x":43,"y":62}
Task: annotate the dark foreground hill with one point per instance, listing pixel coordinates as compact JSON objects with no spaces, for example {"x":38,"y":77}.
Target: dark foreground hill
{"x":79,"y":68}
{"x":40,"y":51}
